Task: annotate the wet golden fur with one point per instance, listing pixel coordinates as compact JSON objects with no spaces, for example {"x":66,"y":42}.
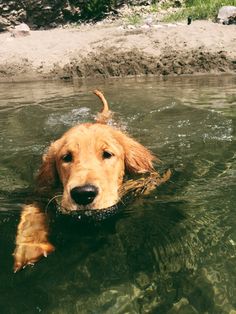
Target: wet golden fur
{"x":87,"y":144}
{"x":93,"y":154}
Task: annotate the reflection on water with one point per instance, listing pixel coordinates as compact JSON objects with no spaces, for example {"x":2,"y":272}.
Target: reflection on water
{"x":173,"y":251}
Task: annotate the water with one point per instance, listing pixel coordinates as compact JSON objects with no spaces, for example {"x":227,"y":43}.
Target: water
{"x":173,"y":251}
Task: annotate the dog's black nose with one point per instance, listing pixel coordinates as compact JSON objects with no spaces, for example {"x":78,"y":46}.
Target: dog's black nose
{"x":84,"y":195}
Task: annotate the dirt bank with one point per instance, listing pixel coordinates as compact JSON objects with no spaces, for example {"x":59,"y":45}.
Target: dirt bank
{"x":113,"y":50}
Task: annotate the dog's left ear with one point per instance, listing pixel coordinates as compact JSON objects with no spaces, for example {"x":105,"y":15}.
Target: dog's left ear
{"x":138,"y":159}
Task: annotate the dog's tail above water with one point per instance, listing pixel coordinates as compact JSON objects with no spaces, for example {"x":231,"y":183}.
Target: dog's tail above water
{"x":105,"y":114}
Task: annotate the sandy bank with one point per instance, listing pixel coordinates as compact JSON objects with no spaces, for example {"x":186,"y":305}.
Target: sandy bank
{"x":109,"y":50}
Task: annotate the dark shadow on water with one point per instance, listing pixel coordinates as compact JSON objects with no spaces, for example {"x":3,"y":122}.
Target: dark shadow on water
{"x":172,"y":251}
{"x":109,"y":251}
{"x":155,"y":235}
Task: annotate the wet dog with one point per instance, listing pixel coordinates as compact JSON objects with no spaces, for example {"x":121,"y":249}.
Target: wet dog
{"x":88,"y":164}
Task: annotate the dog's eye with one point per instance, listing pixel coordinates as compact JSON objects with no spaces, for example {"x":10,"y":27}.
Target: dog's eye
{"x":107,"y":155}
{"x":67,"y":157}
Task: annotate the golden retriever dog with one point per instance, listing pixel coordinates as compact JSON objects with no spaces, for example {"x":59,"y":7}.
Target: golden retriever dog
{"x":88,"y":163}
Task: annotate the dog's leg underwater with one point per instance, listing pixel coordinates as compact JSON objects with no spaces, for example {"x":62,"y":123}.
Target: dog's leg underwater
{"x":32,"y":237}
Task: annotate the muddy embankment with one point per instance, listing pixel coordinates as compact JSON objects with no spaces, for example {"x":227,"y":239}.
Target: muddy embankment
{"x":112,"y":63}
{"x":112,"y":49}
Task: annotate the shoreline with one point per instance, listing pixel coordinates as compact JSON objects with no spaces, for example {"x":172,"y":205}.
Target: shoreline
{"x":110,"y":50}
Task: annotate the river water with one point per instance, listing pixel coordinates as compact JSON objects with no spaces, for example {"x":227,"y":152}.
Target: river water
{"x":173,"y":251}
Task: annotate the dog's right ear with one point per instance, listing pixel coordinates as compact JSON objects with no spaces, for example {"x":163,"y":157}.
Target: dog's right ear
{"x":47,"y":178}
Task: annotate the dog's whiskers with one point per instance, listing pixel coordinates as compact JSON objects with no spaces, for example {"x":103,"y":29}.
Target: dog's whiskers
{"x":55,"y":197}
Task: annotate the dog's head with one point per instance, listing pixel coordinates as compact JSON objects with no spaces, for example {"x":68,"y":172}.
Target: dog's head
{"x":90,"y":161}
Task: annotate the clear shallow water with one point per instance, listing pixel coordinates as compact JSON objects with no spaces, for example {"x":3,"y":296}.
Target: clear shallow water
{"x":173,"y":251}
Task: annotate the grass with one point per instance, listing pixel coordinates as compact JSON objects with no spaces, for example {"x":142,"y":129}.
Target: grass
{"x":134,"y":19}
{"x":199,"y":9}
{"x":155,"y":7}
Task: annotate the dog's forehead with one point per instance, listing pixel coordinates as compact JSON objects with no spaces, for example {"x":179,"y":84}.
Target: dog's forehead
{"x":90,"y":130}
{"x":91,"y":134}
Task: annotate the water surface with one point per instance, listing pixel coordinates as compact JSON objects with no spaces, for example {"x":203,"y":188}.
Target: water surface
{"x":173,"y":251}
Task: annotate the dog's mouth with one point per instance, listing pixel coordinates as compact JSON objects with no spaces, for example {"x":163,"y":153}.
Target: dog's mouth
{"x":85,"y":211}
{"x":88,"y":213}
{"x":130,"y":188}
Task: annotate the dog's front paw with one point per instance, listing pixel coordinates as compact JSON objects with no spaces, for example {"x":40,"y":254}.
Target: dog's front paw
{"x":29,"y":253}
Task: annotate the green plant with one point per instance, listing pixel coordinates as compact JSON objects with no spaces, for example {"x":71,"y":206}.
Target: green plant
{"x":134,"y":19}
{"x":154,"y":8}
{"x":199,"y":9}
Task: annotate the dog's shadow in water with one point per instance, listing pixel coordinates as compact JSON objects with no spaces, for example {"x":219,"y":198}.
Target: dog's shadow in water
{"x":147,"y":234}
{"x":126,"y":236}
